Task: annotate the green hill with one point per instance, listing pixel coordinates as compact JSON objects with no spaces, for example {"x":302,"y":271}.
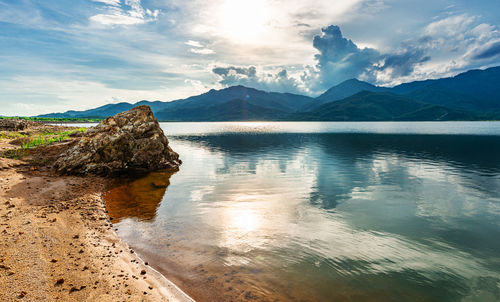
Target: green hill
{"x":233,"y":110}
{"x":380,"y":106}
{"x":473,"y":95}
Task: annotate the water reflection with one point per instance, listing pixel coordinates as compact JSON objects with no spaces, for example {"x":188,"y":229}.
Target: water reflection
{"x":137,"y":198}
{"x":322,"y":217}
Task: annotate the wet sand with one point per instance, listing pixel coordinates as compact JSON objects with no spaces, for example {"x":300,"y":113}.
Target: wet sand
{"x":57,"y":243}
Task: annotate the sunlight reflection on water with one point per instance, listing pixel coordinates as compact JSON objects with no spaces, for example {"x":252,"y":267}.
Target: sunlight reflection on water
{"x":293,"y":213}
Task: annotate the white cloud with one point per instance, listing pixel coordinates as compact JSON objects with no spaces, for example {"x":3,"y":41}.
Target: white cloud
{"x":270,"y":79}
{"x":454,"y":25}
{"x":117,"y":19}
{"x":202,"y":51}
{"x":454,"y":44}
{"x":279,"y":37}
{"x":194,"y":43}
{"x":109,"y":2}
{"x":262,"y":32}
{"x":199,"y":48}
{"x":131,"y":12}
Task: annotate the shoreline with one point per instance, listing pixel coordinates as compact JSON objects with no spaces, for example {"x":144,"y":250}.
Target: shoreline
{"x":58,"y":243}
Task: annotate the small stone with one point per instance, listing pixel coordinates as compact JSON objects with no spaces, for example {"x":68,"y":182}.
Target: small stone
{"x":249,"y":295}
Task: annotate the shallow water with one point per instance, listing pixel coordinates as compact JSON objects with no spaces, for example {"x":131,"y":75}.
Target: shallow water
{"x":322,"y":211}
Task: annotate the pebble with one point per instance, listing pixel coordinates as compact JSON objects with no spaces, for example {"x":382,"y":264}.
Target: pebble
{"x":60,"y":281}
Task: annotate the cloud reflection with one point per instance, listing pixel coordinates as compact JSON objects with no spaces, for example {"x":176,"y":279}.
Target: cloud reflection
{"x":416,"y":211}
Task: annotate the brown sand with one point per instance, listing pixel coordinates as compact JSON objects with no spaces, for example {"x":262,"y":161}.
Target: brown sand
{"x":56,"y":242}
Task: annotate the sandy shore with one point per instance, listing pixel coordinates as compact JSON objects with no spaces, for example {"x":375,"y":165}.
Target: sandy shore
{"x":57,"y":242}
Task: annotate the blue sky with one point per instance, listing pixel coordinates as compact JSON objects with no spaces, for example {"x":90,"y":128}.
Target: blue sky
{"x":57,"y":55}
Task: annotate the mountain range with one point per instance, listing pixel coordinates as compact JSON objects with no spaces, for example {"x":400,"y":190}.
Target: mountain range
{"x":473,"y":95}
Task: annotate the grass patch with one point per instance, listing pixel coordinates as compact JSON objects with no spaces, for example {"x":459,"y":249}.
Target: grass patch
{"x":15,"y":153}
{"x":27,"y":141}
{"x":10,"y":135}
{"x":48,"y":137}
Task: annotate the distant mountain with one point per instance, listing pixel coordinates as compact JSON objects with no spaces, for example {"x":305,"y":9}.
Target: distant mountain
{"x":99,"y":112}
{"x":471,"y":90}
{"x":343,"y":90}
{"x":286,"y":102}
{"x":187,"y":109}
{"x":380,"y":106}
{"x":410,"y":87}
{"x":473,"y":95}
{"x":233,"y":110}
{"x":477,"y":90}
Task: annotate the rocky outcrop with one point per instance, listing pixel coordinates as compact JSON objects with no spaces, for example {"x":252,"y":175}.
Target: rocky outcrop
{"x":131,"y":141}
{"x":14,"y":124}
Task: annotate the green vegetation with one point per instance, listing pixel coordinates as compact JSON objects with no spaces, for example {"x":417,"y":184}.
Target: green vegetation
{"x":47,"y":137}
{"x":10,"y":135}
{"x":15,"y":153}
{"x":30,"y":141}
{"x":54,"y":119}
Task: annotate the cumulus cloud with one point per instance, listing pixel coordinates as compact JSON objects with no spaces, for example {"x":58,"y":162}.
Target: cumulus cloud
{"x":232,"y":70}
{"x":127,"y":13}
{"x":339,"y":58}
{"x":279,"y":80}
{"x":442,"y":48}
{"x":456,"y":43}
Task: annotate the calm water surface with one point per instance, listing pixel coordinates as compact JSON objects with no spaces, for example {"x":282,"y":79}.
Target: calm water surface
{"x":322,"y":211}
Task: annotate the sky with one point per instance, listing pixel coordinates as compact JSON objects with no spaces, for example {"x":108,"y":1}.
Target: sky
{"x":58,"y":55}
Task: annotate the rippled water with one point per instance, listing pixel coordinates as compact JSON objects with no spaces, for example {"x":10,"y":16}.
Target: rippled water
{"x":322,"y":211}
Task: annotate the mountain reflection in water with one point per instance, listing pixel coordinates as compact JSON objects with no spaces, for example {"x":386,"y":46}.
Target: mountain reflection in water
{"x":322,"y":216}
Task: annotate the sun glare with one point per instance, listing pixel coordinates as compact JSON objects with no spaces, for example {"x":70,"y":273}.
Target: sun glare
{"x":243,"y":21}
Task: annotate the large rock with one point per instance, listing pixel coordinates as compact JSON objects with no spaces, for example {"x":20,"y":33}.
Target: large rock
{"x":13,"y":124}
{"x":131,"y":141}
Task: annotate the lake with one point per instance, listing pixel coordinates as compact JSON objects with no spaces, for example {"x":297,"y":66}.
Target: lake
{"x":396,"y":211}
